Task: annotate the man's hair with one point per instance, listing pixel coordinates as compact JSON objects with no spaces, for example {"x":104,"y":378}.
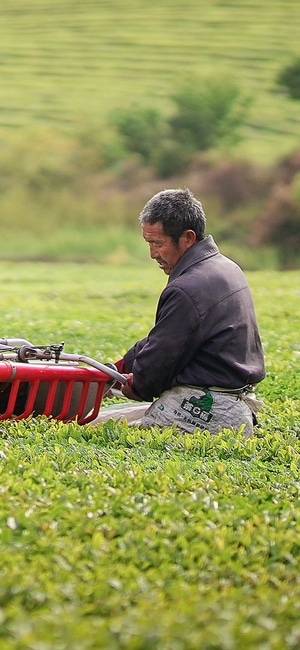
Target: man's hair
{"x":177,"y":211}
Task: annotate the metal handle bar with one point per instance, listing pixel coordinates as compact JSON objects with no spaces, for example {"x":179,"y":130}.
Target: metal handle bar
{"x":27,"y":351}
{"x":13,"y":343}
{"x":100,"y":366}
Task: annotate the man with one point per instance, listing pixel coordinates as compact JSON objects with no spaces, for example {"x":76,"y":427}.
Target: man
{"x":203,"y":357}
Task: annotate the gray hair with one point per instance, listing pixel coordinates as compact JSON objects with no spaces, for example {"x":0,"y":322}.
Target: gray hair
{"x":177,"y":211}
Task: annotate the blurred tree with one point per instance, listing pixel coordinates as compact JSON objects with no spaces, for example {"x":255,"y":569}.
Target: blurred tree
{"x":141,"y":130}
{"x":289,"y":79}
{"x":208,"y":112}
{"x":279,"y":224}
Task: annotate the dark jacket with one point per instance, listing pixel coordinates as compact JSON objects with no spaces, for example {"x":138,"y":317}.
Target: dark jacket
{"x":205,"y":332}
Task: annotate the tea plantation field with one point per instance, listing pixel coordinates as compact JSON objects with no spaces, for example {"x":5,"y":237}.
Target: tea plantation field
{"x":67,"y":63}
{"x":112,"y":537}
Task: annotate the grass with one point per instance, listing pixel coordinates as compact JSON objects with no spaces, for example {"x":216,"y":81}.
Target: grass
{"x":112,"y":537}
{"x":113,"y":540}
{"x":63,"y":64}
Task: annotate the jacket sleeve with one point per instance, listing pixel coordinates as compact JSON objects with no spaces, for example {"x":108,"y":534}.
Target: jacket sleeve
{"x":169,"y":346}
{"x":130,"y":355}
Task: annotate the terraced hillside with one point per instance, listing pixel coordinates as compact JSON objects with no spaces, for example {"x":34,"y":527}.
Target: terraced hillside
{"x":64,"y":62}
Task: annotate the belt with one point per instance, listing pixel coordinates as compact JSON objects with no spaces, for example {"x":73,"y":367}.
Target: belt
{"x":233,"y":391}
{"x":249,"y":388}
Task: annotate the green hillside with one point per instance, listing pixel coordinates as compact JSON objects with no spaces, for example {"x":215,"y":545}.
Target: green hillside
{"x":67,"y":62}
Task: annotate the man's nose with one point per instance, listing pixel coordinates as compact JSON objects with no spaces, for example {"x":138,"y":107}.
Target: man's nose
{"x":153,"y":252}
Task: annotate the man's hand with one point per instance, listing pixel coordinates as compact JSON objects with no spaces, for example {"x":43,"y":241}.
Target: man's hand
{"x":127,"y":389}
{"x":121,"y":368}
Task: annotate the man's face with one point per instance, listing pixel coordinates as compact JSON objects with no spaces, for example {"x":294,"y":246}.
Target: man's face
{"x":162,"y":247}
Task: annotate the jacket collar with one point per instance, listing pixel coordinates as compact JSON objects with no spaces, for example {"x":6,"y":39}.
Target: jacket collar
{"x":197,"y":253}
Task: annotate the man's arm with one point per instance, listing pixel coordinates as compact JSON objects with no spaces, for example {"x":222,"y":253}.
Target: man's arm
{"x":170,"y":345}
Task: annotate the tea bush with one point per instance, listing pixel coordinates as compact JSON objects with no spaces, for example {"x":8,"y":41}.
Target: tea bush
{"x":112,"y":537}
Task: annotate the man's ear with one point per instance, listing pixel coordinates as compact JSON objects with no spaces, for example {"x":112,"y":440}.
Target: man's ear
{"x":190,"y":238}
